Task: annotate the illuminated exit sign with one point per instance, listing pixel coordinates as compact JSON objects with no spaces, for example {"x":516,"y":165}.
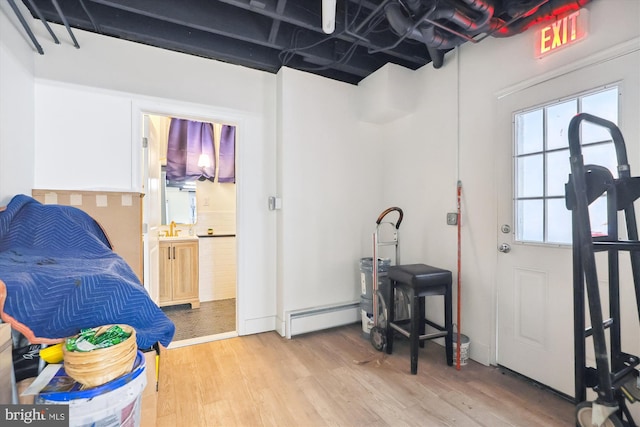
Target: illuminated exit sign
{"x":561,"y":33}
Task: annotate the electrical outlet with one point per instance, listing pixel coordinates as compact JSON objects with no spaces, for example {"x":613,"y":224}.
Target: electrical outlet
{"x":452,"y":218}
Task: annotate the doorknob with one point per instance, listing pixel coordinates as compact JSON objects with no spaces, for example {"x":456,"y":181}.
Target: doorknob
{"x":504,"y":248}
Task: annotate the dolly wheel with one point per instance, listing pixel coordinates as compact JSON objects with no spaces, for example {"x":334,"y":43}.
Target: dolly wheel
{"x":583,"y":417}
{"x":378,"y":338}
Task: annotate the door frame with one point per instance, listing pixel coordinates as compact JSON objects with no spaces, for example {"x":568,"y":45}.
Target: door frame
{"x":150,"y":240}
{"x":204,"y":114}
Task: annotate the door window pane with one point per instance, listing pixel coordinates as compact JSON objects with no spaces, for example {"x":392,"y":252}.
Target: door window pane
{"x":558,"y":118}
{"x":530,"y":221}
{"x":530,"y":176}
{"x":529,"y":132}
{"x":558,"y":170}
{"x":604,"y":105}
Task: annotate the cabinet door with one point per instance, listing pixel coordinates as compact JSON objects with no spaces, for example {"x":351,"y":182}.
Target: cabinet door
{"x":165,"y":293}
{"x":185,"y":270}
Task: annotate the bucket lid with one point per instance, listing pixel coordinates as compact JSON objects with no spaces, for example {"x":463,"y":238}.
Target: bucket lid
{"x":73,"y":389}
{"x":463,"y":338}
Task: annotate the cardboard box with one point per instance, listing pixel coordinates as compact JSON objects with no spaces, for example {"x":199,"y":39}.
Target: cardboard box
{"x":6,"y":364}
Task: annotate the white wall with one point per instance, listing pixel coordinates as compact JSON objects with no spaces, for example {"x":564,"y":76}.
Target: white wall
{"x":421,"y":160}
{"x":16,"y":107}
{"x":83,"y":138}
{"x":330,"y":177}
{"x":88,"y":107}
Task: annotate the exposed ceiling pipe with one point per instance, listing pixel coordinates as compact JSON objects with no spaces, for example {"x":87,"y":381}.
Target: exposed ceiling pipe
{"x":546,"y":11}
{"x":400,"y":24}
{"x":26,"y":27}
{"x":65,"y":22}
{"x":460,"y":17}
{"x":423,"y":32}
{"x":90,"y":16}
{"x":44,"y":21}
{"x":437,"y":57}
{"x":451,"y":24}
{"x":461,"y":13}
{"x":521,"y":8}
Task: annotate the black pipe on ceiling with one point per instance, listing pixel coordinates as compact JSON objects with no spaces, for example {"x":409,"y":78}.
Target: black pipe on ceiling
{"x":437,"y":57}
{"x":26,"y":27}
{"x":449,"y":24}
{"x":521,"y":8}
{"x":544,"y":11}
{"x":469,"y":17}
{"x":44,"y":21}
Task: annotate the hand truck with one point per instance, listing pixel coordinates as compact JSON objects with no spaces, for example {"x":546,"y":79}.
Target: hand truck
{"x":615,"y":376}
{"x":385,"y":234}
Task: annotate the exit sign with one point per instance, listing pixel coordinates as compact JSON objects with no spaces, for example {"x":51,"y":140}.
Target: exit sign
{"x":561,"y":33}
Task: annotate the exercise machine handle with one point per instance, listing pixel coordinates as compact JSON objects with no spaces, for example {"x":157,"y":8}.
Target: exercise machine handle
{"x":389,"y":210}
{"x":616,"y":135}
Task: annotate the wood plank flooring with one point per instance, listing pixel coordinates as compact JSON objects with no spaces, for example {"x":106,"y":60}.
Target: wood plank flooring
{"x":336,"y":378}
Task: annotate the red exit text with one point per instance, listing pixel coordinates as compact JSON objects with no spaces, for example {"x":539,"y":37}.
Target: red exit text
{"x":562,"y":32}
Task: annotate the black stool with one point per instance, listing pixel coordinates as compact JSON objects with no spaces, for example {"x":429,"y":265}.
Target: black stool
{"x":419,"y":281}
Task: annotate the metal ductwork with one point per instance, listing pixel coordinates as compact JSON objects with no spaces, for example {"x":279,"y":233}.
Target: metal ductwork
{"x":444,"y":24}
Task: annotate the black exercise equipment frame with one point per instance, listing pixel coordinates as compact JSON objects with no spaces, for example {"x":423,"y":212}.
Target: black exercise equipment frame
{"x":614,"y":368}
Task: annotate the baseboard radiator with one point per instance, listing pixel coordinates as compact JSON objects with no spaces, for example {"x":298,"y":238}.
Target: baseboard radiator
{"x":324,"y":317}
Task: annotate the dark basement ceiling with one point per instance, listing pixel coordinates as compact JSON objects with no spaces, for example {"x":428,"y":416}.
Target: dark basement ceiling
{"x":267,"y":34}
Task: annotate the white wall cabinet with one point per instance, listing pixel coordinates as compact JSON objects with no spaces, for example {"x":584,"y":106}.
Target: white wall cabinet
{"x":179,"y":272}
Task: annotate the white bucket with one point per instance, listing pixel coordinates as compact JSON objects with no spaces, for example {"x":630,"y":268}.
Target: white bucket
{"x":464,"y":348}
{"x":117,"y":403}
{"x":367,"y":321}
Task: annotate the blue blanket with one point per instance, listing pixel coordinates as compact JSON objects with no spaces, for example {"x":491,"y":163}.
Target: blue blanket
{"x":58,"y":274}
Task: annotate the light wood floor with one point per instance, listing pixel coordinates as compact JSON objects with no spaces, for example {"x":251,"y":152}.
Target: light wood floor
{"x":335,"y":378}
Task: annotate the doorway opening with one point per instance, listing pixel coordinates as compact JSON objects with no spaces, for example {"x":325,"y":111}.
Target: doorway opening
{"x":204,"y":211}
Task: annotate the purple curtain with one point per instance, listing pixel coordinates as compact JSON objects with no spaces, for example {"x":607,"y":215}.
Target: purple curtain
{"x":187,"y":141}
{"x":227,"y":169}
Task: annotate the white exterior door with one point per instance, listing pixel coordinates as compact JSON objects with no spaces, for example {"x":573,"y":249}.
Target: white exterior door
{"x":151,"y":207}
{"x":534,"y":280}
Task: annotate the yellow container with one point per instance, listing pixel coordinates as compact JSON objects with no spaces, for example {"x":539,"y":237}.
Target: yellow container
{"x":52,"y":354}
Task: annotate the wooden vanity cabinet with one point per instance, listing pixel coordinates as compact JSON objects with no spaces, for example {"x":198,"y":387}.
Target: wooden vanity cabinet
{"x":179,"y":273}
